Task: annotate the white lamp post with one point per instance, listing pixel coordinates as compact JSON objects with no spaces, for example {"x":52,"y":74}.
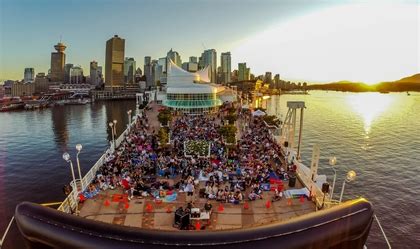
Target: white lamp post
{"x":333,"y":162}
{"x":112,"y":133}
{"x":129,"y":117}
{"x":66,"y":157}
{"x":79,"y":148}
{"x":351,"y":175}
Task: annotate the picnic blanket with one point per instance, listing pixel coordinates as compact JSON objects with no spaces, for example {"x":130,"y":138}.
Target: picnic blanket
{"x":170,"y":198}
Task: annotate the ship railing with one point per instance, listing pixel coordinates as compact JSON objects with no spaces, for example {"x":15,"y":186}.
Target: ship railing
{"x":71,"y":203}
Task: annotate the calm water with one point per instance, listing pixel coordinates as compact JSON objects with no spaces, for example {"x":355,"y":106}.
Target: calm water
{"x":377,"y":135}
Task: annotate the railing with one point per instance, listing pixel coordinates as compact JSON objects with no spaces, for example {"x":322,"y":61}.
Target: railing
{"x":71,"y":202}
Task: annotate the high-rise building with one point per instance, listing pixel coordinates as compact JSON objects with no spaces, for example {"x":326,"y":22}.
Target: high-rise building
{"x":193,"y":59}
{"x":175,"y":57}
{"x":162,"y":62}
{"x":67,"y":68}
{"x":58,"y":60}
{"x":95,"y":73}
{"x":29,"y":75}
{"x":148,"y":71}
{"x":41,"y":83}
{"x":129,"y":70}
{"x":243,"y":72}
{"x":190,"y":66}
{"x":268,"y":78}
{"x":76,"y":75}
{"x":209,"y":58}
{"x":156,"y":72}
{"x":225,"y":61}
{"x":114,"y":62}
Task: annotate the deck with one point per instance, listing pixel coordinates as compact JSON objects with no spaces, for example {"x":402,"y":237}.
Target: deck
{"x":112,"y":206}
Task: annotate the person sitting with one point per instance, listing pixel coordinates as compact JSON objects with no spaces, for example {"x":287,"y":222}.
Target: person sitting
{"x":277,"y":195}
{"x":208,"y":207}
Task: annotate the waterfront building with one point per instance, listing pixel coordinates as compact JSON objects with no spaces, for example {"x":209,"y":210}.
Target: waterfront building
{"x":41,"y":83}
{"x":76,"y":75}
{"x":243,"y":72}
{"x":226,"y":66}
{"x":20,"y":89}
{"x":129,"y":70}
{"x":175,"y":57}
{"x":114,"y":62}
{"x":58,"y":60}
{"x":29,"y":74}
{"x":192,"y":93}
{"x":190,"y":66}
{"x":209,"y":58}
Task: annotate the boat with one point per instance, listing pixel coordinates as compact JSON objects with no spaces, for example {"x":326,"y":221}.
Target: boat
{"x":11,"y":106}
{"x":384,"y":92}
{"x":110,"y":219}
{"x":408,"y":94}
{"x":35,"y":104}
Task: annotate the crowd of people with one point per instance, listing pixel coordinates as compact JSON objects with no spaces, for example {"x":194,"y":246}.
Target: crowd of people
{"x":142,"y":167}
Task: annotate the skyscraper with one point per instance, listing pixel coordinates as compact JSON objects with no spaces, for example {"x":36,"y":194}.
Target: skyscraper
{"x":95,"y":73}
{"x":58,"y":60}
{"x":209,"y":58}
{"x":193,"y":59}
{"x":175,"y":57}
{"x":114,"y":62}
{"x":129,"y":70}
{"x":148,"y":71}
{"x":76,"y":75}
{"x":162,"y":62}
{"x":243,"y":72}
{"x":29,"y":75}
{"x":67,"y":68}
{"x":225,"y":61}
{"x":268,"y":77}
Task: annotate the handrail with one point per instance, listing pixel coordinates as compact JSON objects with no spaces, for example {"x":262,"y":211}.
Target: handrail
{"x":71,"y":202}
{"x":383,"y":232}
{"x":7,"y":230}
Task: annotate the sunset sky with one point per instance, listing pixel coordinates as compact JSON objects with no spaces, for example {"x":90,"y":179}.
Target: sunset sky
{"x":315,"y":41}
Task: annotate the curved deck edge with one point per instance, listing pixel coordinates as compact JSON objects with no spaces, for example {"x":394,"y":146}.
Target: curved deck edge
{"x":344,"y":226}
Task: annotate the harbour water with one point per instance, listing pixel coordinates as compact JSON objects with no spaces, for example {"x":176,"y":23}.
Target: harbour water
{"x":377,"y":135}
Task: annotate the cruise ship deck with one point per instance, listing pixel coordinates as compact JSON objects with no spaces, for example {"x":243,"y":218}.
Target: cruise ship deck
{"x":113,"y":206}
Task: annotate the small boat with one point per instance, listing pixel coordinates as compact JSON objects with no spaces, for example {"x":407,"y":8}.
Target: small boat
{"x":11,"y":107}
{"x":384,"y":92}
{"x":408,"y":94}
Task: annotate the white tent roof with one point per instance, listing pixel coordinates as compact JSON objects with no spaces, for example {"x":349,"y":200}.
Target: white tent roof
{"x":258,"y":113}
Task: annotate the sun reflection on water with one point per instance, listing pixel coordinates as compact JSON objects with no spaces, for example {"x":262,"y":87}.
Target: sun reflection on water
{"x":370,"y":106}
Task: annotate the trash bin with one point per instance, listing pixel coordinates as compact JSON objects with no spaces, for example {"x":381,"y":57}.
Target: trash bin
{"x":292,"y":180}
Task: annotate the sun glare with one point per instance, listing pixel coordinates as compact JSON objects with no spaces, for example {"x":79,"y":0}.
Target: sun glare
{"x":356,"y":42}
{"x":370,"y":106}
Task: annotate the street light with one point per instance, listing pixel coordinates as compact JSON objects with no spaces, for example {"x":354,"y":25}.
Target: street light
{"x":115,"y":133}
{"x":66,"y":157}
{"x":333,"y":162}
{"x":112,"y":133}
{"x":351,"y":175}
{"x":79,"y":148}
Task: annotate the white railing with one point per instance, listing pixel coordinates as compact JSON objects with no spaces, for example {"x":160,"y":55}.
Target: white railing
{"x":70,"y":204}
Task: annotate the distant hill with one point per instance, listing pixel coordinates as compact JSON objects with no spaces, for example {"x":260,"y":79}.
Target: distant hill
{"x":411,"y":83}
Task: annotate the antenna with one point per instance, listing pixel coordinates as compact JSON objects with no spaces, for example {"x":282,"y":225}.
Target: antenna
{"x":204,"y":47}
{"x":60,"y":38}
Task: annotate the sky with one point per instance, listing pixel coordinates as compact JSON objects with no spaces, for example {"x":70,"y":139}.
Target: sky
{"x":314,"y":41}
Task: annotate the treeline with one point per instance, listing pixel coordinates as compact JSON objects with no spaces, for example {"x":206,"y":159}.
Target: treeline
{"x":362,"y":87}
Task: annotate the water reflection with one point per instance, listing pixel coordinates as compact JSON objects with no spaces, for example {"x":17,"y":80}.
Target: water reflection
{"x":370,"y":106}
{"x":59,"y":126}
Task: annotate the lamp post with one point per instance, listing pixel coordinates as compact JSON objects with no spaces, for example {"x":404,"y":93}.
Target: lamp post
{"x":129,"y":118}
{"x":115,"y":133}
{"x":333,"y":162}
{"x":112,"y":133}
{"x":351,"y":175}
{"x":79,"y":148}
{"x":66,"y":157}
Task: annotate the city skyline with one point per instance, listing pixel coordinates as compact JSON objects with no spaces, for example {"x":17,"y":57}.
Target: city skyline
{"x":248,"y":39}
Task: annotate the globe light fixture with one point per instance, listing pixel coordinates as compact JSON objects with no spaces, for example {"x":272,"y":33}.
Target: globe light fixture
{"x":66,"y":156}
{"x":351,"y":176}
{"x":79,"y":147}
